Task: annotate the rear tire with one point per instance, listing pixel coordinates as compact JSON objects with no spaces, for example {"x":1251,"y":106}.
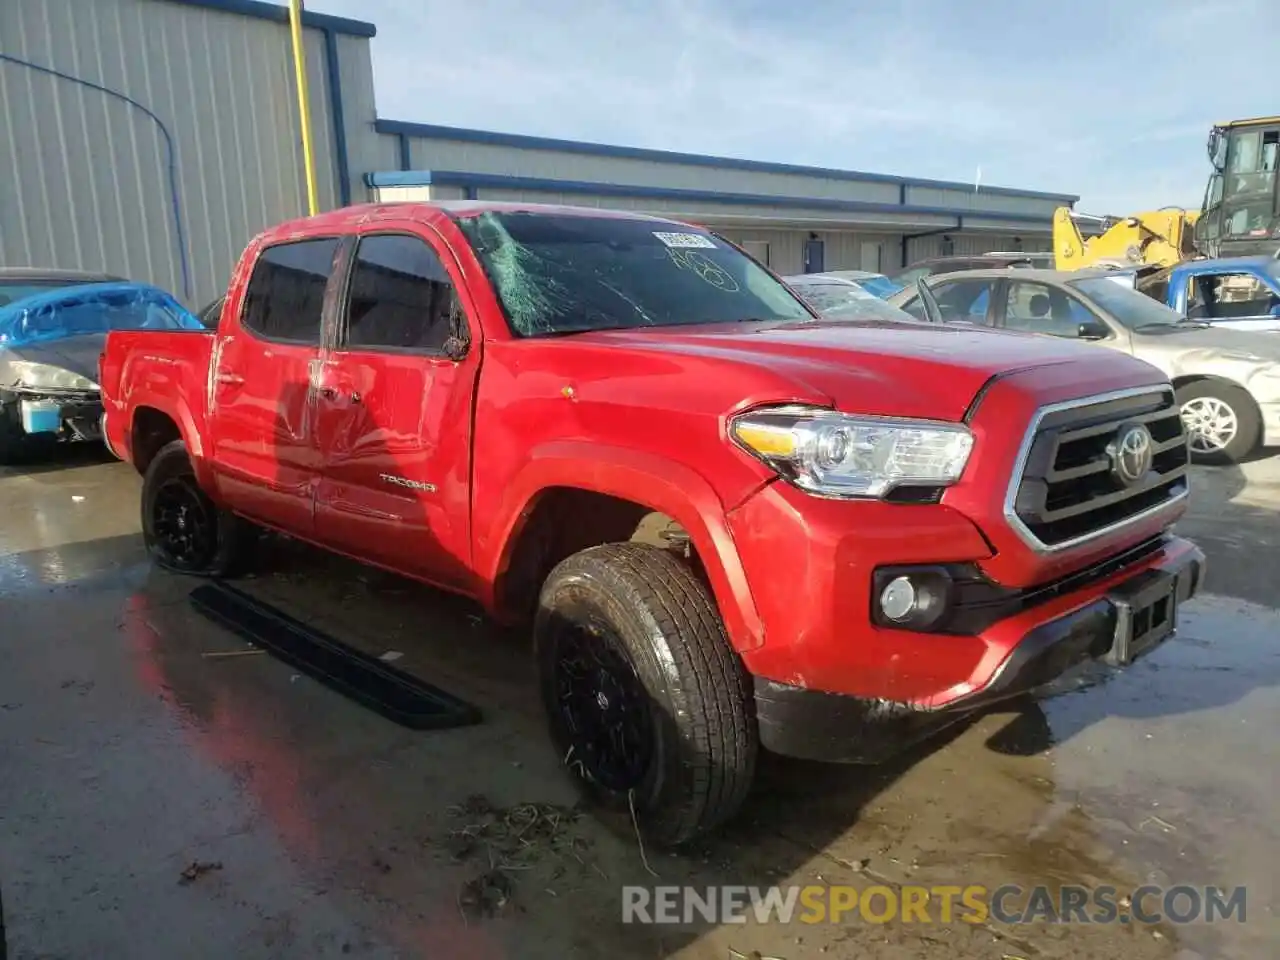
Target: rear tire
{"x":1222,"y":421}
{"x":649,"y":707}
{"x":184,"y":530}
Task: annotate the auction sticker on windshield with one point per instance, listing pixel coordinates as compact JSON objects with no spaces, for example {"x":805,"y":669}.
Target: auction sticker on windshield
{"x":685,"y":240}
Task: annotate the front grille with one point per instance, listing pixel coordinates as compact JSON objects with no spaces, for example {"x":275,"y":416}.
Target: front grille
{"x":1069,"y":487}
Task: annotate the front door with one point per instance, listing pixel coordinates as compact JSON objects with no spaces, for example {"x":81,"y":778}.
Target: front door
{"x":1034,"y":307}
{"x":262,"y":418}
{"x":395,"y":412}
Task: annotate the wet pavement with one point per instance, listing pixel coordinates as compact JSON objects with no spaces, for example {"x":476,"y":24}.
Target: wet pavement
{"x":162,"y":798}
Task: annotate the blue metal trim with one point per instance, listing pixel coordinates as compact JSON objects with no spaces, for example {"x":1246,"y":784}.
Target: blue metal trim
{"x":455,"y":178}
{"x":430,"y":131}
{"x":341,"y":161}
{"x":272,"y":11}
{"x":406,"y":156}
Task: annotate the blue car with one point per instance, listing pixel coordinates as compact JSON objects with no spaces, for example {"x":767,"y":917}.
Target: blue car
{"x":53,"y":326}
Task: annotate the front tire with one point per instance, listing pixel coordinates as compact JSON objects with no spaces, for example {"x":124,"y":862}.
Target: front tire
{"x":184,"y":530}
{"x":649,"y":706}
{"x":1222,"y":421}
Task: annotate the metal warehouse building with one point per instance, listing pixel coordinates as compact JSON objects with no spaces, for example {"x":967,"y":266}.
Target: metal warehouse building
{"x":153,"y":138}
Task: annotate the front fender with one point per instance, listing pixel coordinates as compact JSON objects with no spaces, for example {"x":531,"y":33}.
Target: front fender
{"x":658,"y":484}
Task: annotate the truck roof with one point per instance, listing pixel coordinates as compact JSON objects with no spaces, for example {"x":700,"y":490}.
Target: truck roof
{"x":1227,"y":263}
{"x":429,"y":211}
{"x":1230,"y":124}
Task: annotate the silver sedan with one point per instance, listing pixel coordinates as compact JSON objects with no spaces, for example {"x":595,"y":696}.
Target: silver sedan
{"x":1227,"y":381}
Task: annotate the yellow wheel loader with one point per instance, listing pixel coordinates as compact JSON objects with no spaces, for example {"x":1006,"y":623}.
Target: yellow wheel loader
{"x":1240,"y":214}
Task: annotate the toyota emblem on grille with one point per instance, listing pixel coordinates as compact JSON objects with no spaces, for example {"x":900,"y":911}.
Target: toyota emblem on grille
{"x":1130,"y":453}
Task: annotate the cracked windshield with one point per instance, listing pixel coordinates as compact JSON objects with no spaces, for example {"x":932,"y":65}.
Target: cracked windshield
{"x":567,"y":274}
{"x":691,"y":480}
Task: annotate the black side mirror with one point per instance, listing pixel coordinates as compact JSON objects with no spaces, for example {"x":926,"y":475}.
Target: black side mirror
{"x":455,"y":348}
{"x":1092,"y":330}
{"x":458,"y":343}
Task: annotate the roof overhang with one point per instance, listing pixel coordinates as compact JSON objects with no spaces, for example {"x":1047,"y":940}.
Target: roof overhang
{"x":279,"y":14}
{"x":778,"y":209}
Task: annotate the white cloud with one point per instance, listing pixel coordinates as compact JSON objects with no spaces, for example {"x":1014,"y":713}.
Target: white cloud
{"x":1109,"y":100}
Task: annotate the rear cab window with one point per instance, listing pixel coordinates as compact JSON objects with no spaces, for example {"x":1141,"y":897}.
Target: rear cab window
{"x":1226,"y":296}
{"x":284,"y":301}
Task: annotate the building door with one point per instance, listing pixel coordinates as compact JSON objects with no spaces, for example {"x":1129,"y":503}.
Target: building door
{"x":872,"y":257}
{"x":814,"y":256}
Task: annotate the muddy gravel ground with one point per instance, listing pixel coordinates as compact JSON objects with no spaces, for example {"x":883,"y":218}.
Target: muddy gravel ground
{"x":161,"y":799}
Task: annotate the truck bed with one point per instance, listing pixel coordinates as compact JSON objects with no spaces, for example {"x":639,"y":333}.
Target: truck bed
{"x":139,"y":367}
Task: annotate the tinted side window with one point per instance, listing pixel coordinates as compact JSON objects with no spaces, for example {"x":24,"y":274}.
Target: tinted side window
{"x":401,"y":296}
{"x":286,"y":292}
{"x":1040,"y":308}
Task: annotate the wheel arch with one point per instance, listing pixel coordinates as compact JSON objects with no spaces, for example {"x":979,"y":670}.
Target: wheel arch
{"x":152,"y":425}
{"x":555,"y":508}
{"x":1186,"y":380}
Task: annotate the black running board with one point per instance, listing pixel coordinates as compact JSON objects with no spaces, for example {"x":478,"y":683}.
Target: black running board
{"x":396,"y":695}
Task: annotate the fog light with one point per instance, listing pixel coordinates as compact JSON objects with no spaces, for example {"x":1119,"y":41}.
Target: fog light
{"x":912,"y":598}
{"x":898,"y":598}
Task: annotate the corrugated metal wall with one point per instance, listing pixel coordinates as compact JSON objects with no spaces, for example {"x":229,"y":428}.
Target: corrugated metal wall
{"x":86,"y":180}
{"x":936,"y":246}
{"x":510,"y":155}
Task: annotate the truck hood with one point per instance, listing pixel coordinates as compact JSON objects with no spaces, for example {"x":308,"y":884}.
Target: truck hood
{"x":885,"y":368}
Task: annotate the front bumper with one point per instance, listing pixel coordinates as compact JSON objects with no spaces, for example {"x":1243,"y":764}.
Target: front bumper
{"x":68,"y":415}
{"x":1131,"y":614}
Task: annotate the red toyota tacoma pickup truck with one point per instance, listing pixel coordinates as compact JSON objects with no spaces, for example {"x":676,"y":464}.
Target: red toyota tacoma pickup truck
{"x":872,"y":529}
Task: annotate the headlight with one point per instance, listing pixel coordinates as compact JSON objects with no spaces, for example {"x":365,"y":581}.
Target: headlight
{"x":42,"y":376}
{"x":839,"y":455}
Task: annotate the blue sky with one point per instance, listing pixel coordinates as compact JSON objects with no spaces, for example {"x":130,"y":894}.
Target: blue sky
{"x":1106,"y":99}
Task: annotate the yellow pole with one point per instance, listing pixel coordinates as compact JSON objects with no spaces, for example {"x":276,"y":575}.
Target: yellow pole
{"x":304,"y":108}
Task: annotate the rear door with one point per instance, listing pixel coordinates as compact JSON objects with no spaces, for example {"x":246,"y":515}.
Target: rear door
{"x":262,"y":422}
{"x":395,"y":410}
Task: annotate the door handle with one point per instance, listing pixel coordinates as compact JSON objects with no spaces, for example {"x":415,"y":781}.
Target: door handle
{"x":232,"y":379}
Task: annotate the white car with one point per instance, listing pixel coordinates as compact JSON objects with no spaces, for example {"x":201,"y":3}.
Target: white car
{"x":1227,"y":381}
